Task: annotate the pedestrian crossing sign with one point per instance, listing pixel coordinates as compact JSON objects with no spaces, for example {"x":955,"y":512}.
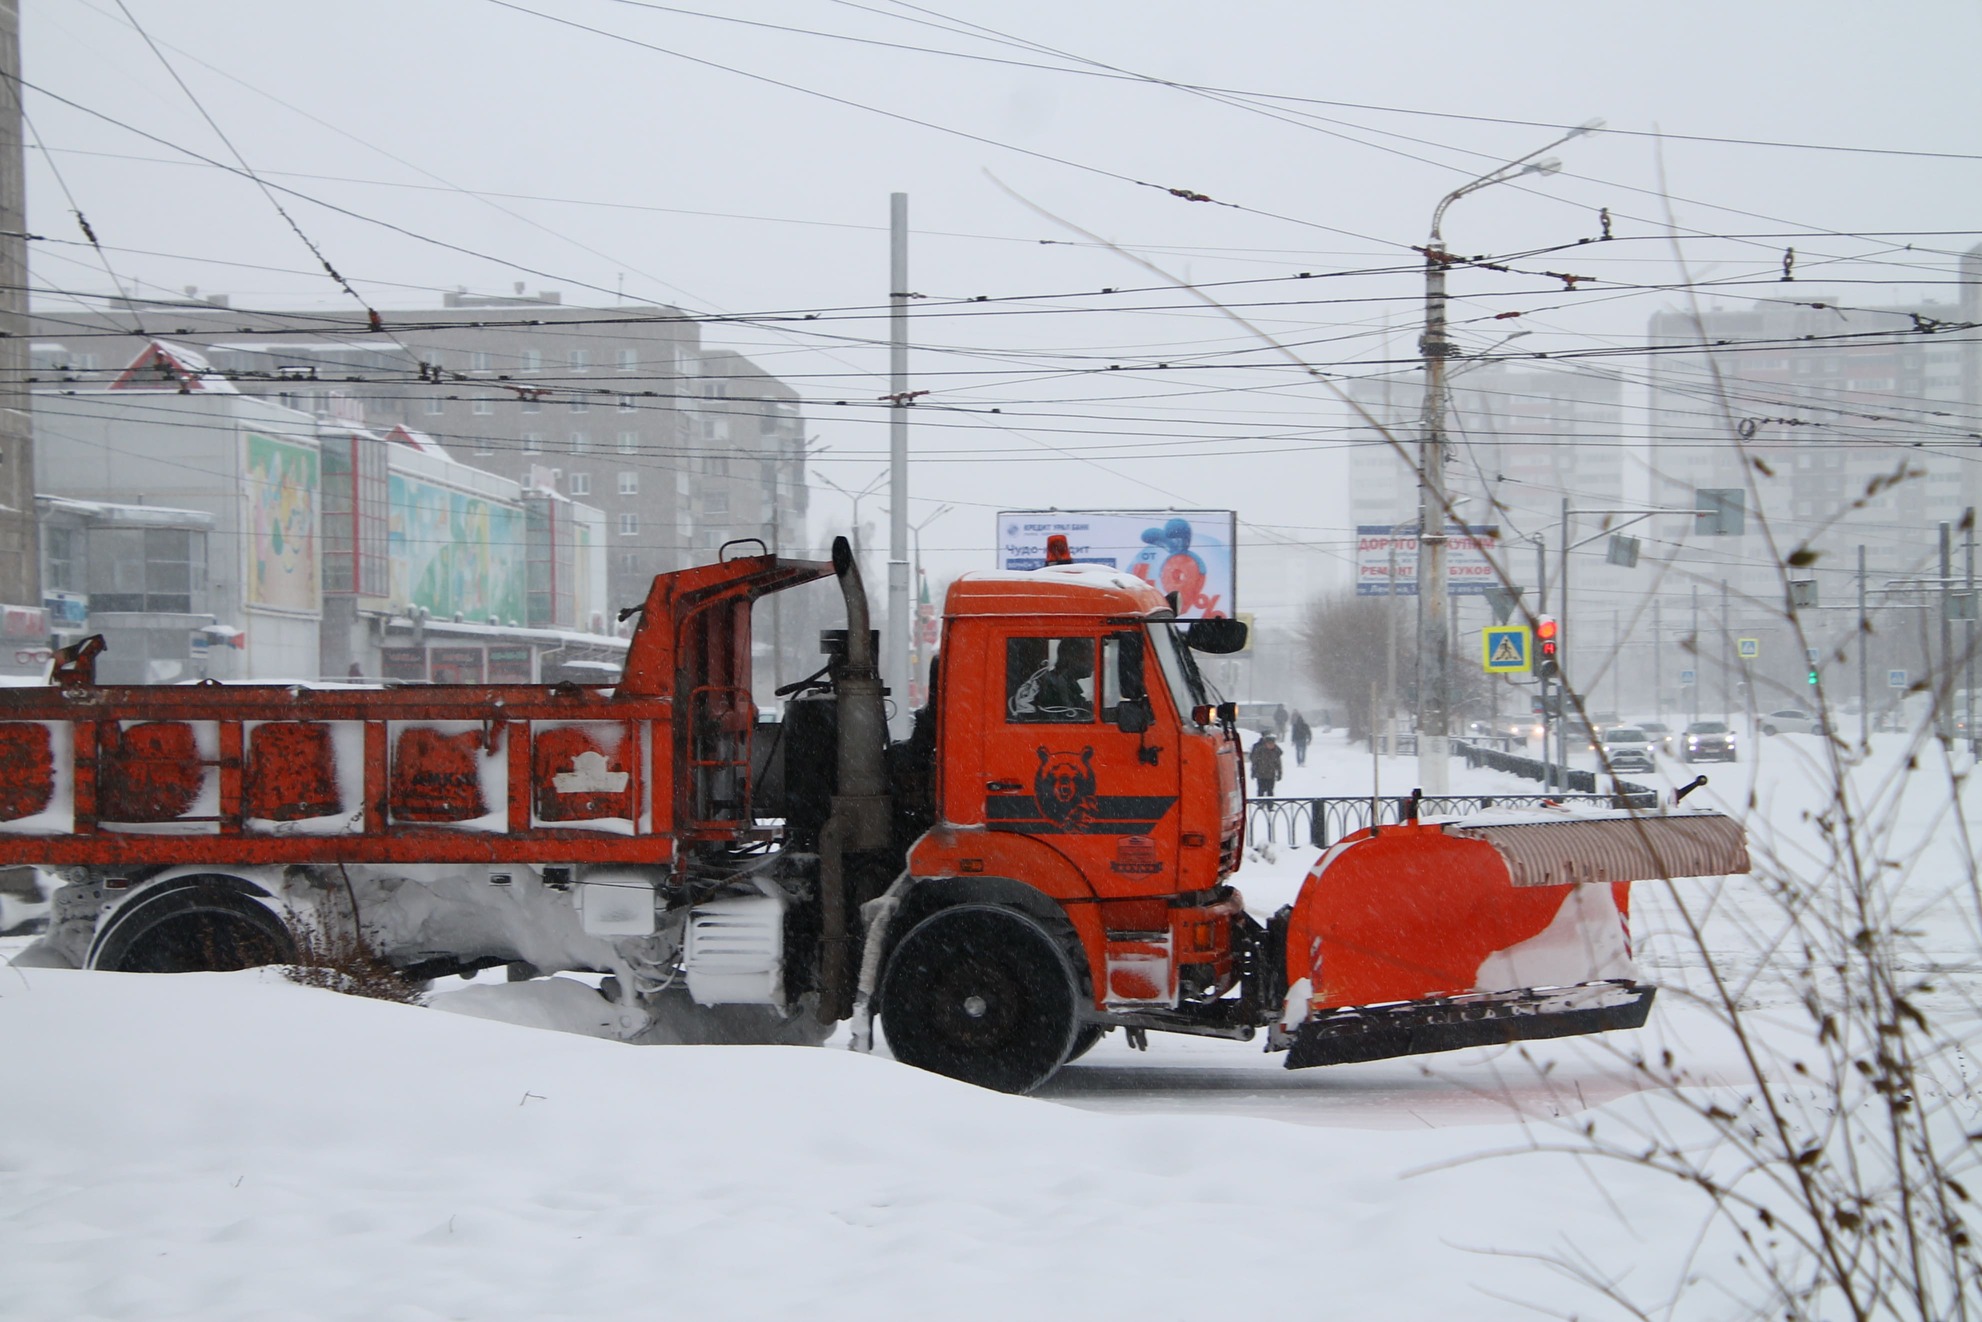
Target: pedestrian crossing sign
{"x":1505,"y":649}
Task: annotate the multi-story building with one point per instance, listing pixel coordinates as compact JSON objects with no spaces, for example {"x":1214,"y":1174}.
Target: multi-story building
{"x":1519,"y":443}
{"x":1839,"y":427}
{"x":620,"y":408}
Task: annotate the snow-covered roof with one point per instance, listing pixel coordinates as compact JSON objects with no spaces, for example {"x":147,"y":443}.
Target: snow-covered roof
{"x":163,"y":515}
{"x":418,"y":440}
{"x":164,"y":365}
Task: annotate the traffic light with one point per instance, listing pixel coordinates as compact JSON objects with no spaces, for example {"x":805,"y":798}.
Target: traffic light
{"x":1547,"y":637}
{"x":1813,"y":674}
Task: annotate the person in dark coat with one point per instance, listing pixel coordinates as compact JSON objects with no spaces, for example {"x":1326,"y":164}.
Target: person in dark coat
{"x":1266,"y":765}
{"x":1303,"y":736}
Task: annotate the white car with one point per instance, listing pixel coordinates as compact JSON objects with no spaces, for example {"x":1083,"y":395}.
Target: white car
{"x":1792,"y":720}
{"x":1627,"y":748}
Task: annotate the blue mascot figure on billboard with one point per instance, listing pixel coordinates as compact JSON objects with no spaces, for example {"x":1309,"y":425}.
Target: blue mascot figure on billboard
{"x":1181,"y":570}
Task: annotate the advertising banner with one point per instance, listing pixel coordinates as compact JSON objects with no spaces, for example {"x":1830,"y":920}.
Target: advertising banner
{"x":1467,"y":572}
{"x":455,"y":553}
{"x":280,"y":483}
{"x":1188,"y":552}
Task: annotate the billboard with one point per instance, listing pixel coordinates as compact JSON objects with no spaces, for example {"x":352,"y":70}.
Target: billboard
{"x":454,"y":553}
{"x":1467,"y":570}
{"x":280,"y":484}
{"x":1188,"y":552}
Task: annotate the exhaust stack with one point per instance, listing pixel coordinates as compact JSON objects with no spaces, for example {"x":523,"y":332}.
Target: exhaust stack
{"x":859,"y":821}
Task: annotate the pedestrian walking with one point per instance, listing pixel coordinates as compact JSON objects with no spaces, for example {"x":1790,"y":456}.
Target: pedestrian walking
{"x":1266,"y":765}
{"x":1303,"y":736}
{"x":1280,"y":721}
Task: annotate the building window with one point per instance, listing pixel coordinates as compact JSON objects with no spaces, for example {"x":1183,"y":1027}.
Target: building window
{"x":716,"y":502}
{"x":629,"y":360}
{"x":435,"y":406}
{"x":581,"y":360}
{"x":629,"y":484}
{"x":629,"y":524}
{"x":580,"y":404}
{"x":626,"y":404}
{"x":580,"y":442}
{"x":484,"y":407}
{"x":629,"y":442}
{"x":147,"y":569}
{"x":581,"y":484}
{"x":533,"y":442}
{"x":531,"y":404}
{"x":64,"y":545}
{"x":479,"y":361}
{"x":485,"y":445}
{"x":532,"y":361}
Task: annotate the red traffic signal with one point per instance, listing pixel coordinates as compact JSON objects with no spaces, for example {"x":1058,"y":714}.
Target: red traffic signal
{"x":1547,"y":638}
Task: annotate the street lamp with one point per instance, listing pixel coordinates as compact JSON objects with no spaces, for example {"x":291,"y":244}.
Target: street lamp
{"x":1434,"y":715}
{"x":856,"y":497}
{"x":917,"y":662}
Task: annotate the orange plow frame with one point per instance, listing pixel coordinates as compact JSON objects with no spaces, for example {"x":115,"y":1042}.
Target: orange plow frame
{"x":1431,"y":937}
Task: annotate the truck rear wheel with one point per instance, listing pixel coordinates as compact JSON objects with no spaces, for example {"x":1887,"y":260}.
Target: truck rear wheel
{"x":981,"y":994}
{"x":200,"y":925}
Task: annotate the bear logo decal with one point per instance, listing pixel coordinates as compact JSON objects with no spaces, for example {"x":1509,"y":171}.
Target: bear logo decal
{"x":1064,"y":788}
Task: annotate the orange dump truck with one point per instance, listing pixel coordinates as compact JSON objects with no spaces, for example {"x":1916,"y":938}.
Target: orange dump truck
{"x":1046,"y":858}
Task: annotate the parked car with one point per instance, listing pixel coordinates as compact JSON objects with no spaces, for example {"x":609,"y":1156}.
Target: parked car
{"x":1627,"y":748}
{"x":1707,"y":741}
{"x":1792,"y":720}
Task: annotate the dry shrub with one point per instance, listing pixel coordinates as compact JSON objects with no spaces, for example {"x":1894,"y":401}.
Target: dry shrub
{"x":336,"y":957}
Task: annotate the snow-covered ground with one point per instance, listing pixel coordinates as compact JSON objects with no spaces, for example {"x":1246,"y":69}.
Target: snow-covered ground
{"x":234,"y":1146}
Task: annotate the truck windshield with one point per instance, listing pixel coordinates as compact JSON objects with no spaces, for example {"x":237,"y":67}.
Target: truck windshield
{"x":1180,"y":672}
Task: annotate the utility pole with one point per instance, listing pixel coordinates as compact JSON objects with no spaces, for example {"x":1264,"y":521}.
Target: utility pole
{"x":1658,"y":663}
{"x":1616,"y":662}
{"x":1696,"y":651}
{"x":1434,"y":662}
{"x":1968,"y":632}
{"x":1568,"y":635}
{"x":901,"y":615}
{"x":1944,"y":682}
{"x":1864,"y":646}
{"x":20,"y":553}
{"x":1389,"y":663}
{"x":1726,"y":665}
{"x":1435,"y":653}
{"x":1541,"y":608}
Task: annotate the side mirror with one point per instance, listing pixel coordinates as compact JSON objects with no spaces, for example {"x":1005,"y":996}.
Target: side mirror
{"x":1132,"y":715}
{"x":1218,"y":637}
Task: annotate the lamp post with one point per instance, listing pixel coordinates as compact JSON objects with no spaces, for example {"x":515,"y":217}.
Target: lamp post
{"x":917,"y":662}
{"x":856,"y":497}
{"x":1434,"y":725}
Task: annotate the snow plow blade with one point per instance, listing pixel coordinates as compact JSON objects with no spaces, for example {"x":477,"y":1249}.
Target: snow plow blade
{"x":1416,"y":1028}
{"x":1435,"y":936}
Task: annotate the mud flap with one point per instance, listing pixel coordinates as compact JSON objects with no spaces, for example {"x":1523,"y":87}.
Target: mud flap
{"x":1448,"y":1023}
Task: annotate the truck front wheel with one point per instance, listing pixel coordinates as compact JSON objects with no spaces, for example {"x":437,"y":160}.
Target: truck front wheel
{"x":982,"y":994}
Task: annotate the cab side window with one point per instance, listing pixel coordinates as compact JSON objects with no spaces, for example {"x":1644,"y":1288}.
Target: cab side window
{"x":1121,"y":672}
{"x":1049,"y":680}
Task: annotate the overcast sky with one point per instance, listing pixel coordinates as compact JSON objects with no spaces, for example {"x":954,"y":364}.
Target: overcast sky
{"x":737,"y":158}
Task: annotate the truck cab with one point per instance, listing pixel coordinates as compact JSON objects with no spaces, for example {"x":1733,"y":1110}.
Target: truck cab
{"x":1080,"y":761}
